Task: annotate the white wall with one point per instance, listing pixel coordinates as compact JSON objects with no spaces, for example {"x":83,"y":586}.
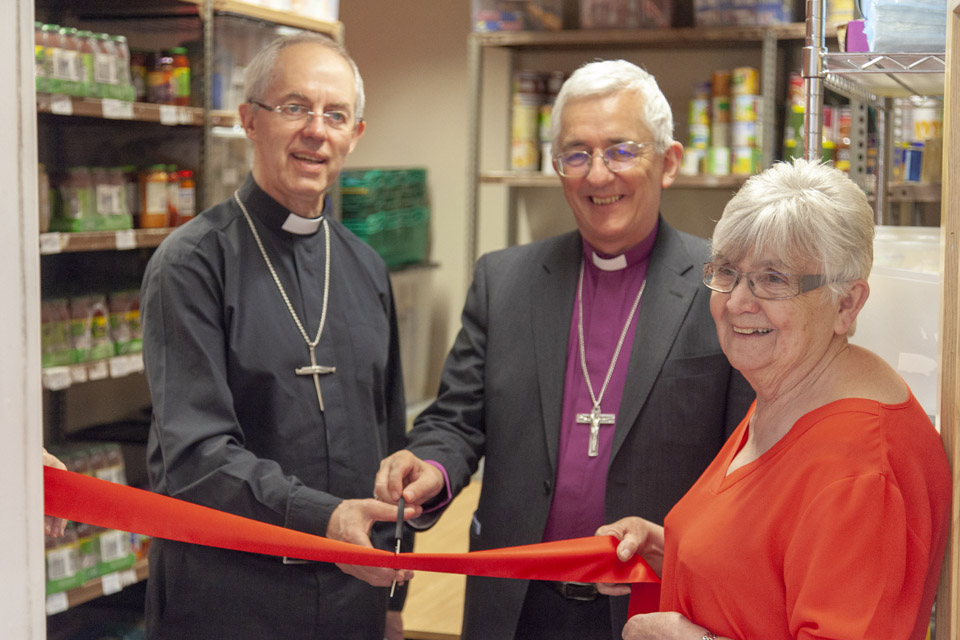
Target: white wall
{"x":413,"y":58}
{"x":21,"y":554}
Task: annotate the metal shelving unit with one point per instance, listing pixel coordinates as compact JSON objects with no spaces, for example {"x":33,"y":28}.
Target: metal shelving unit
{"x":870,"y":79}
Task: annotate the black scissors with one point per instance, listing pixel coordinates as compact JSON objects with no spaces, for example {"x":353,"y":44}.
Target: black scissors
{"x":397,"y":535}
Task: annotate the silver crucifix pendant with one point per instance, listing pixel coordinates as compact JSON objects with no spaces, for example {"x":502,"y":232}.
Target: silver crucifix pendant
{"x":315,"y":370}
{"x":595,"y":419}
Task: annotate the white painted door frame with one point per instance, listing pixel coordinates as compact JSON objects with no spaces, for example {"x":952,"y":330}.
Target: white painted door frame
{"x":22,"y":611}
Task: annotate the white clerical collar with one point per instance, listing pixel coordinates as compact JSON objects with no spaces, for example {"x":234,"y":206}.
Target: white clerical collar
{"x":616,"y":263}
{"x":303,"y":226}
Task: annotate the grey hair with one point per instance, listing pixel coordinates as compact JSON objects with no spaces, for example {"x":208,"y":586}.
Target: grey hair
{"x":803,"y":213}
{"x":259,"y":73}
{"x":607,"y":77}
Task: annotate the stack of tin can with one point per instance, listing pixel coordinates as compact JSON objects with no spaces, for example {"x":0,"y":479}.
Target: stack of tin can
{"x":718,"y":154}
{"x":746,"y":131}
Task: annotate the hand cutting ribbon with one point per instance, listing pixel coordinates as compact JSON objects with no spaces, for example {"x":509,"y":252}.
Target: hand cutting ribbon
{"x":77,"y":497}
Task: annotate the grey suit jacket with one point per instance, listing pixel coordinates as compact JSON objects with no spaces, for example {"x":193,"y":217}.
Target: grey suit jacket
{"x":501,"y":396}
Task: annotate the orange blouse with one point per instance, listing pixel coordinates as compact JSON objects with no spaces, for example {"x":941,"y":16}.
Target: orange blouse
{"x":837,"y":531}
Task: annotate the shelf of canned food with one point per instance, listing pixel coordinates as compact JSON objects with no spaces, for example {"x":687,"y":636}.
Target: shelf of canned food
{"x":70,"y":242}
{"x":646,"y":38}
{"x":537,"y":179}
{"x":97,"y":587}
{"x":111,"y":109}
{"x":63,"y":377}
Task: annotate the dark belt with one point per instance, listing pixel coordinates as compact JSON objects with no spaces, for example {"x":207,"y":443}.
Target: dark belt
{"x":585,"y":591}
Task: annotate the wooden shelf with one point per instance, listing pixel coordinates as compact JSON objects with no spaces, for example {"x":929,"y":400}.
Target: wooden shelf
{"x":645,"y":38}
{"x":92,"y":589}
{"x":286,"y":18}
{"x":63,"y":242}
{"x":535,"y":179}
{"x":63,"y":105}
{"x":64,"y":377}
{"x":914,"y":191}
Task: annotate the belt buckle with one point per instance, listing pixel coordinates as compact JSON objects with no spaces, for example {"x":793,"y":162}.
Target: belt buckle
{"x":583,"y":591}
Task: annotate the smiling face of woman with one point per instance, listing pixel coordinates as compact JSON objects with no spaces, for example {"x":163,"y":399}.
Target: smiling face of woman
{"x":776,"y":344}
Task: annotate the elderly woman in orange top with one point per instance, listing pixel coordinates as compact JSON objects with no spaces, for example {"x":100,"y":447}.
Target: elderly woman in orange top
{"x":825,"y":514}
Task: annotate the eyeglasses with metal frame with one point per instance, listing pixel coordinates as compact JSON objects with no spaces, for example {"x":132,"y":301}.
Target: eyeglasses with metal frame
{"x":617,"y":157}
{"x":293,"y":112}
{"x":766,"y":285}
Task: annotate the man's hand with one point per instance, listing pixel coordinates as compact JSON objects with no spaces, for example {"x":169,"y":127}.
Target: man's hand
{"x":404,"y":472}
{"x":351,"y":522}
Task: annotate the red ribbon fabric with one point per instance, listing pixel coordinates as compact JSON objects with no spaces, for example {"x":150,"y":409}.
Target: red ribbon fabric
{"x":81,"y":498}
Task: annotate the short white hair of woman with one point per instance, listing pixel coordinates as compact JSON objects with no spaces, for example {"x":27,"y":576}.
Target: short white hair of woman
{"x":805,"y":213}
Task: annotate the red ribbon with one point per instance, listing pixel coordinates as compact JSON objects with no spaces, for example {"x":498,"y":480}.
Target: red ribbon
{"x":81,"y":498}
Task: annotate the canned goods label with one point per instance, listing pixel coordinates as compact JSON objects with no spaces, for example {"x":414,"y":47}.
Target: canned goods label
{"x":692,"y":161}
{"x":745,"y":161}
{"x":718,"y":161}
{"x":745,"y":134}
{"x":720,"y":109}
{"x":525,"y":123}
{"x":699,"y":136}
{"x":745,"y":80}
{"x":525,"y":139}
{"x":699,"y":111}
{"x":525,"y":155}
{"x":746,"y":107}
{"x":546,"y":110}
{"x":720,"y":83}
{"x":546,"y":158}
{"x":720,"y":134}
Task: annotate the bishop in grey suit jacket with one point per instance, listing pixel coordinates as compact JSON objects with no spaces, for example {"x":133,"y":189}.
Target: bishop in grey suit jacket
{"x":503,"y":387}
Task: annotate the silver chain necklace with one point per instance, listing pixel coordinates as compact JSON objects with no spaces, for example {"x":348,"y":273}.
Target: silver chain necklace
{"x":314,"y":369}
{"x":595,"y":418}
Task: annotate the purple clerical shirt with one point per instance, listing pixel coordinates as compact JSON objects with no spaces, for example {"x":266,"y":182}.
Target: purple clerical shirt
{"x":610,"y":287}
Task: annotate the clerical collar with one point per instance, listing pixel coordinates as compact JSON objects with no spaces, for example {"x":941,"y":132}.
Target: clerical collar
{"x":300,"y":225}
{"x":274,"y":215}
{"x":635,"y":255}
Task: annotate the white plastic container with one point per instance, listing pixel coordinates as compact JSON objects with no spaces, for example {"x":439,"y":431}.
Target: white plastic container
{"x":900,"y":321}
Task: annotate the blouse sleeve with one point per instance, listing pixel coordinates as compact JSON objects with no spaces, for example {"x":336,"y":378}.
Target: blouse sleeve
{"x":853,"y":568}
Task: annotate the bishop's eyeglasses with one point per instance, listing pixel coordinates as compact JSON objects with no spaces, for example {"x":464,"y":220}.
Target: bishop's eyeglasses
{"x":293,"y":112}
{"x":617,"y":157}
{"x":767,"y":284}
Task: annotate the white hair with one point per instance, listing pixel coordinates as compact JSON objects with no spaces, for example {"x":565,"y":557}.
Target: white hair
{"x":608,"y":77}
{"x":259,"y":73}
{"x":804,"y":213}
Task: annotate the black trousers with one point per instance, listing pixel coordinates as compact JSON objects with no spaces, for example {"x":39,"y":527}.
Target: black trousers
{"x":548,"y":615}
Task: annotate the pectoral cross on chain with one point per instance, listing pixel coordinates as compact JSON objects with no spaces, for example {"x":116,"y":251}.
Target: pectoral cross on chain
{"x":315,"y":370}
{"x":595,"y":419}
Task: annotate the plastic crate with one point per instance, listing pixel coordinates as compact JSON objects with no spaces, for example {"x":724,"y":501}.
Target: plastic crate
{"x":365,"y":192}
{"x":400,"y":237}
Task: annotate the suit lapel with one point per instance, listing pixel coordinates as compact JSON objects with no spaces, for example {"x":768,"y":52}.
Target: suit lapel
{"x":669,"y":293}
{"x":552,"y":292}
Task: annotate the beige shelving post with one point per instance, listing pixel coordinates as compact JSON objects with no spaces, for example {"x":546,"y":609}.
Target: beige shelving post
{"x":948,"y":608}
